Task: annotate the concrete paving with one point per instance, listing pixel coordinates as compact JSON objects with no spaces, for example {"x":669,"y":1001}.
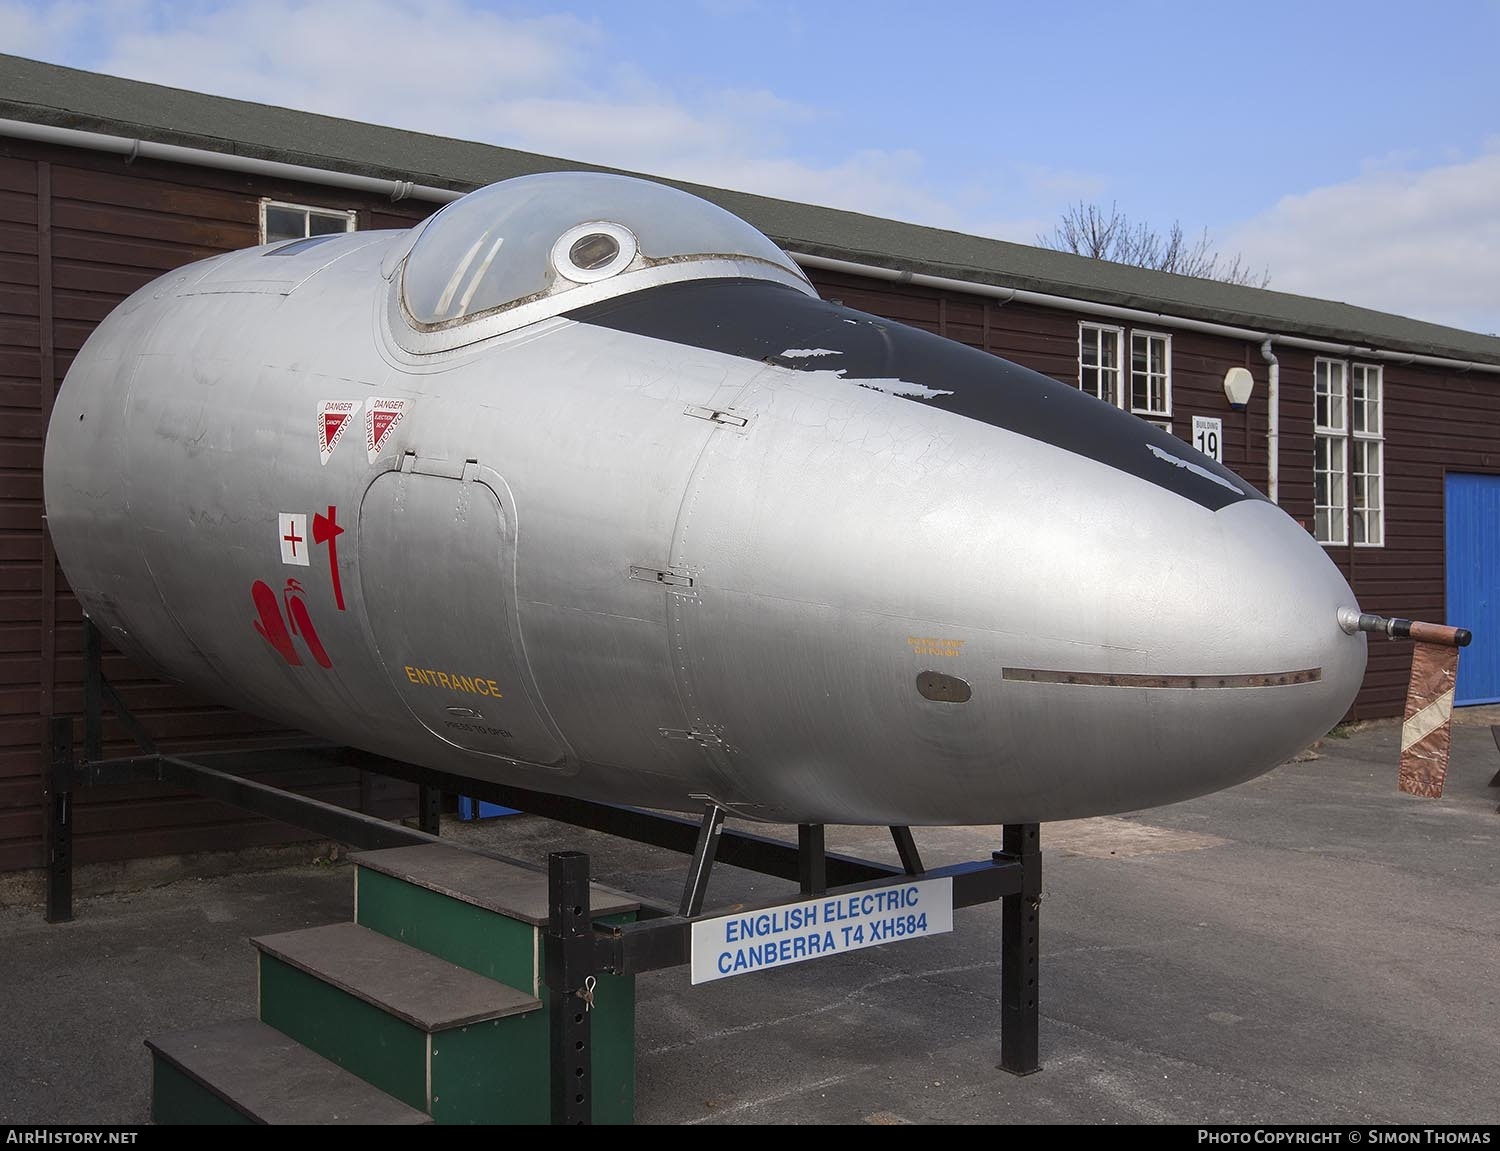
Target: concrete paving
{"x":1309,"y":947}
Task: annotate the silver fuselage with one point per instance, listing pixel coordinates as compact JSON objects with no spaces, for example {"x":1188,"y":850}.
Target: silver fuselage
{"x":663,"y":604}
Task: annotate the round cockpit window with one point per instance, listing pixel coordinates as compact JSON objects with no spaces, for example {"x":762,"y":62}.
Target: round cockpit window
{"x":587,"y":253}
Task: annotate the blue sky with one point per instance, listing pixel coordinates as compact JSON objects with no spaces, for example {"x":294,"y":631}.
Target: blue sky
{"x":1353,"y":149}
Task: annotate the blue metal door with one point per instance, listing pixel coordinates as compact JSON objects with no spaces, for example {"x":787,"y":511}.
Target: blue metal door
{"x":1472,"y":519}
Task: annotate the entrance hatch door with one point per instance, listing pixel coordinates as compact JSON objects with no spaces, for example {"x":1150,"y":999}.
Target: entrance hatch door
{"x":437,"y":566}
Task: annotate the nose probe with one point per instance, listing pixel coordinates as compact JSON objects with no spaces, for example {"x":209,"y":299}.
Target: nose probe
{"x":1352,"y":621}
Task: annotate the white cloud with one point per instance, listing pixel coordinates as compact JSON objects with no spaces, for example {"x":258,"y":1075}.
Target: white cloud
{"x":419,"y":64}
{"x":26,"y":30}
{"x":1424,"y":244}
{"x":552,"y":84}
{"x":1421,"y":243}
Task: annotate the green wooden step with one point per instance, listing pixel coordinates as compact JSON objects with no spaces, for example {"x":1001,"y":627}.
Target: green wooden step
{"x":488,"y":915}
{"x":245,"y":1072}
{"x":463,"y":1048}
{"x":473,"y":909}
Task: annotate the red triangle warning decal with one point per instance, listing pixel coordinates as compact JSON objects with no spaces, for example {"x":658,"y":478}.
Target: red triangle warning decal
{"x":333,"y":421}
{"x":381,"y":418}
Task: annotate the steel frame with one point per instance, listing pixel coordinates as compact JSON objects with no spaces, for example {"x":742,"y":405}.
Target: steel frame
{"x":574,"y":955}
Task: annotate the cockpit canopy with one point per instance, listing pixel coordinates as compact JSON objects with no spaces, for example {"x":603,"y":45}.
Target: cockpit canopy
{"x":539,"y":245}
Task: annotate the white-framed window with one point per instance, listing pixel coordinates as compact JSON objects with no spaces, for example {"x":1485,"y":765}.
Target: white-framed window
{"x":282,"y":221}
{"x":1151,"y":375}
{"x":1367,"y":470}
{"x":1099,"y":356}
{"x":1348,"y":453}
{"x":1330,"y":451}
{"x":1144,"y":386}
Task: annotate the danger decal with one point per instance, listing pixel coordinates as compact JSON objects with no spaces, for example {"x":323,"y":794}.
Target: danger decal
{"x":334,"y":417}
{"x":381,"y":418}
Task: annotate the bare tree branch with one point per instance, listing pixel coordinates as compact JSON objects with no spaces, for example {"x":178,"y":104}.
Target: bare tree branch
{"x":1087,"y":230}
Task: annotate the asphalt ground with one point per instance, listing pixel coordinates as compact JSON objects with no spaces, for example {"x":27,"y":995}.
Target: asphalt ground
{"x":1310,"y":947}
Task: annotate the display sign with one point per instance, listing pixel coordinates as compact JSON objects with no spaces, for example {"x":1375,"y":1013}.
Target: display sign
{"x":1208,"y":437}
{"x":827,"y":925}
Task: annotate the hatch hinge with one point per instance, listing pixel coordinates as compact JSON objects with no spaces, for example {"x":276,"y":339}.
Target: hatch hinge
{"x":701,"y":738}
{"x":657,"y":575}
{"x":715,"y":415}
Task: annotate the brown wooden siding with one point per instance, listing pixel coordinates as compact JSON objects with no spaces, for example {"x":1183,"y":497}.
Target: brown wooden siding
{"x":79,"y":231}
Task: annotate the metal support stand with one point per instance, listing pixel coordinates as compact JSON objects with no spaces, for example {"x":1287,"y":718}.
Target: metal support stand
{"x":98,"y":693}
{"x":906,"y":848}
{"x":429,"y":809}
{"x":1495,"y":731}
{"x":576,"y":950}
{"x":1020,"y":952}
{"x":812,"y":859}
{"x":570,"y":985}
{"x":704,"y":854}
{"x":57,"y":802}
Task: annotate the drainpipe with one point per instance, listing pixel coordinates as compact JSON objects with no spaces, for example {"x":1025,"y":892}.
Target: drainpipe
{"x":1273,"y":419}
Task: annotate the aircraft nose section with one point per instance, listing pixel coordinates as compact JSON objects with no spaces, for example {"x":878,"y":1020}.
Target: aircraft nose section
{"x":1281,"y":597}
{"x":1269,"y":669}
{"x":1201,"y":657}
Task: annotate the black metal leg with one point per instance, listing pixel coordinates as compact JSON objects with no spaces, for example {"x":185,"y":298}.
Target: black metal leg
{"x":696,"y":886}
{"x":99,"y":693}
{"x":906,"y":848}
{"x":1019,"y":953}
{"x":57,"y":802}
{"x":93,"y":694}
{"x":570,"y":979}
{"x":812,"y":859}
{"x":430,"y":809}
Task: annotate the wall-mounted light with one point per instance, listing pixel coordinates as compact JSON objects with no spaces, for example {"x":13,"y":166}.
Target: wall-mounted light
{"x":1238,"y":384}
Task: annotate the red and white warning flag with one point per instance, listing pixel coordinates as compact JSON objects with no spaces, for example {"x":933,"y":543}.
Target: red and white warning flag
{"x":1427,"y":732}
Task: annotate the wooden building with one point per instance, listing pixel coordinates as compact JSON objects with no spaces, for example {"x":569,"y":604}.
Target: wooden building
{"x":1381,"y":434}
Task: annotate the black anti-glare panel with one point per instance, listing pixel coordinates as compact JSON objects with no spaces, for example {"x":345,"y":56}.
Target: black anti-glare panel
{"x":762,"y":321}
